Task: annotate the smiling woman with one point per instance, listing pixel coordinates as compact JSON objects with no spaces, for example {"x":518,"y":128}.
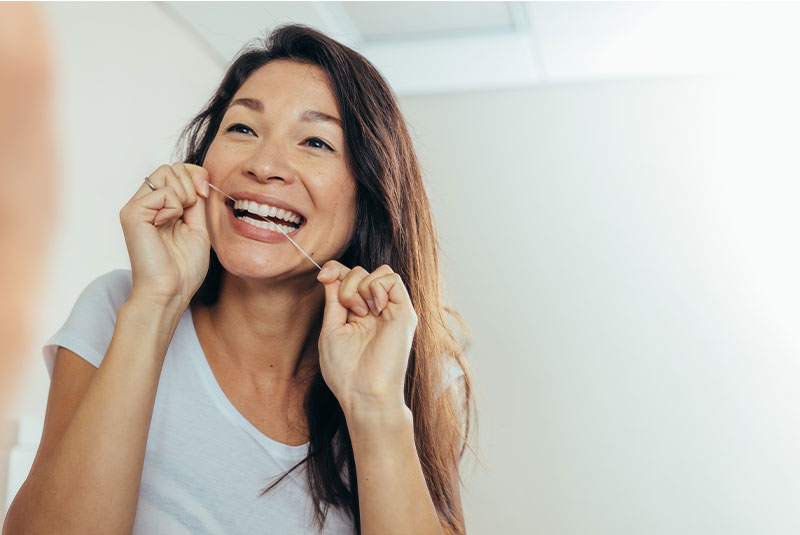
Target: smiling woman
{"x":222,"y":384}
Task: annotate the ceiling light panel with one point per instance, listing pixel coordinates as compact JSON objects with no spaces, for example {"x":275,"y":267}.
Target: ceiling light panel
{"x":379,"y":21}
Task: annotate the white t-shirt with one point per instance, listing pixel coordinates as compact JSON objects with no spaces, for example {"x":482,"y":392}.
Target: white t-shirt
{"x":205,"y":464}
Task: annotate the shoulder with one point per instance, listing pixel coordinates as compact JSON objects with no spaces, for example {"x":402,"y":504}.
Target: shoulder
{"x":104,"y":296}
{"x":112,"y":288}
{"x":89,"y":327}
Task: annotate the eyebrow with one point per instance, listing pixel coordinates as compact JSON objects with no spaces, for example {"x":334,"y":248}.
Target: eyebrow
{"x":250,"y":103}
{"x":307,"y":116}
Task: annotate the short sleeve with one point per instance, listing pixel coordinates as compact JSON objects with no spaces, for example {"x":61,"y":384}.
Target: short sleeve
{"x":90,"y":325}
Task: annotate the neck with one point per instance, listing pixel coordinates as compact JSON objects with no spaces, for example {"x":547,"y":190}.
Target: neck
{"x":268,"y":330}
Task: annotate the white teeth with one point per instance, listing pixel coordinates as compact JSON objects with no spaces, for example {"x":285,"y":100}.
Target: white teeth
{"x":267,"y":211}
{"x":269,"y":225}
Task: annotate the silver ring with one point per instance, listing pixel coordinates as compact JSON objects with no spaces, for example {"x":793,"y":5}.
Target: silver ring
{"x":147,"y":181}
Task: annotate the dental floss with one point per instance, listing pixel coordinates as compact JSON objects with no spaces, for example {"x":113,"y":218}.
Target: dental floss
{"x":276,"y":226}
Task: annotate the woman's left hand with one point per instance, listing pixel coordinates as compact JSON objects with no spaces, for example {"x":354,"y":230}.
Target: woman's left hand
{"x":367,"y":330}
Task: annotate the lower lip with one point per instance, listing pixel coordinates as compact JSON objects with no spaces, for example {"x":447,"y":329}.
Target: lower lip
{"x":261,"y":234}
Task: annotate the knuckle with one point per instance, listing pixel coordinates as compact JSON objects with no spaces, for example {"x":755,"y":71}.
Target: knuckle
{"x":196,"y":171}
{"x":181,"y":170}
{"x":173,"y":195}
{"x":364,"y":286}
{"x":345,"y":297}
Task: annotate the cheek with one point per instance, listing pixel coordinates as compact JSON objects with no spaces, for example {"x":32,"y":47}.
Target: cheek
{"x":345,"y":211}
{"x":339,"y":198}
{"x":215,"y":159}
{"x":210,"y":165}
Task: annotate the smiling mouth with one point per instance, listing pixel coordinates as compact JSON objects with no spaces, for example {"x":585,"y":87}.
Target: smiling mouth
{"x":265,"y":222}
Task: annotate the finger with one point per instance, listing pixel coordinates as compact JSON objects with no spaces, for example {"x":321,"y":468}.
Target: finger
{"x":334,"y":315}
{"x":195,"y":216}
{"x":160,"y":179}
{"x":199,"y":177}
{"x":390,"y":289}
{"x":381,"y":298}
{"x":348,"y":292}
{"x":172,"y":180}
{"x":187,"y":184}
{"x":155,"y":179}
{"x":192,"y":177}
{"x":157,"y":206}
{"x":332,"y":270}
{"x":365,"y":291}
{"x":143,"y":190}
{"x":172,"y":208}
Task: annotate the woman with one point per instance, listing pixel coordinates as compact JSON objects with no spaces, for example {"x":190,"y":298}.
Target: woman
{"x":241,"y":391}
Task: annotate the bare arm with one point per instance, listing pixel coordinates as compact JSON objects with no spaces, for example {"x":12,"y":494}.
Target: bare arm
{"x":392,"y":493}
{"x":87,"y":473}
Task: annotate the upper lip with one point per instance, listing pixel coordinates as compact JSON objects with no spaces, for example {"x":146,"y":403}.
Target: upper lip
{"x":265,"y":199}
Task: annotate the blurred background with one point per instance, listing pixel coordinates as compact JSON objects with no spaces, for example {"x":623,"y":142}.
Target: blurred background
{"x":615,"y":186}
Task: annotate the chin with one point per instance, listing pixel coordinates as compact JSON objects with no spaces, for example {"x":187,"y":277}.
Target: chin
{"x":255,"y":265}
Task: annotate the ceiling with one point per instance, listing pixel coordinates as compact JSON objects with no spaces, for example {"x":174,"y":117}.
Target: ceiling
{"x":435,"y":47}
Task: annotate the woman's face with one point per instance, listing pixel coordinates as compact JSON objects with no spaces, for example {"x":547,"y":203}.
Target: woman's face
{"x":281,"y":146}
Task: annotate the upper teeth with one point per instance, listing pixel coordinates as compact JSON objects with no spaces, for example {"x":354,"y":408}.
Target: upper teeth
{"x":264,"y":210}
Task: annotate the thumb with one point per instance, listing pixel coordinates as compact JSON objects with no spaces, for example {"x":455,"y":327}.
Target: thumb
{"x":335,"y":315}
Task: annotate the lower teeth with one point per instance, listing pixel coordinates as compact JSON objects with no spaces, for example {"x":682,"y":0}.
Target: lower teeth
{"x":269,"y":225}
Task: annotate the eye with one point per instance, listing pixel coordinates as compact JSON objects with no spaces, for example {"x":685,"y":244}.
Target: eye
{"x":238,"y":127}
{"x":317,"y":143}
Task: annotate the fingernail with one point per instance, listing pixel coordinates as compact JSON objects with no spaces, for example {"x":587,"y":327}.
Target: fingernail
{"x":324,"y":273}
{"x":371,"y":303}
{"x":205,"y":189}
{"x":361,"y":311}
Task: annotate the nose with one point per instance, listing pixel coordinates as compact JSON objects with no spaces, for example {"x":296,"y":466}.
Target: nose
{"x":269,"y":161}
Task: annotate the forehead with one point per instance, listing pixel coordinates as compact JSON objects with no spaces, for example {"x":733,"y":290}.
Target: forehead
{"x":282,"y":82}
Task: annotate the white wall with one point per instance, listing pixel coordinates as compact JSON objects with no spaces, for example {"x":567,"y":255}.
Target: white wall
{"x":627,"y":255}
{"x":625,"y":252}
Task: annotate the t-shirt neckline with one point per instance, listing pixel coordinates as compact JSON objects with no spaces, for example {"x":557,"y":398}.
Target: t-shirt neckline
{"x":227,"y":408}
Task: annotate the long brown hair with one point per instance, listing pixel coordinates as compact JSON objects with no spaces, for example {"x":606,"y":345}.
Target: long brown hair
{"x":394,"y":226}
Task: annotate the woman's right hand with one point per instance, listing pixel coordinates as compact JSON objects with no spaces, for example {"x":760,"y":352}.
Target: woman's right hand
{"x":165,"y":231}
